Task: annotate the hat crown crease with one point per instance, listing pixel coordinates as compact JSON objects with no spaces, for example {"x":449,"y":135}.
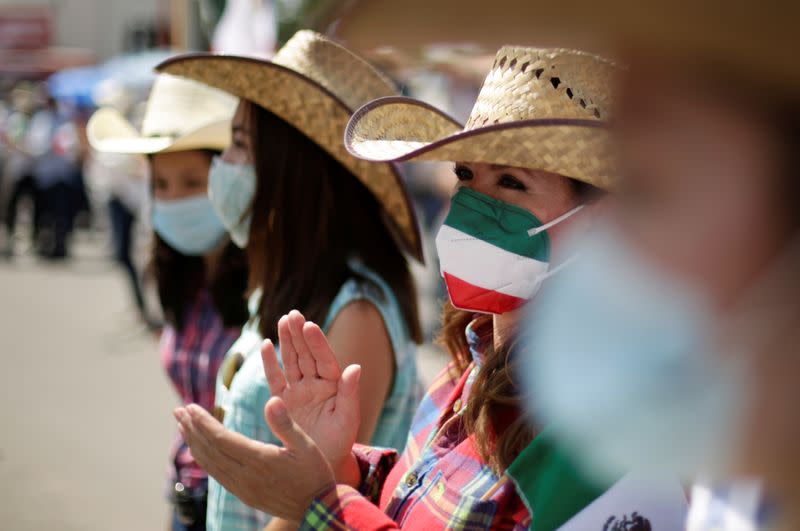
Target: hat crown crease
{"x":177,"y":106}
{"x":322,"y":61}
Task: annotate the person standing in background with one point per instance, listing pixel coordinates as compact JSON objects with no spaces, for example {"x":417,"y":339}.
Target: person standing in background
{"x":201,"y":275}
{"x":25,"y":144}
{"x":55,"y":145}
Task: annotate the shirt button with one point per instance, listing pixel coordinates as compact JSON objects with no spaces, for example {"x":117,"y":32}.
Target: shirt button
{"x":457,"y":405}
{"x":411,"y":479}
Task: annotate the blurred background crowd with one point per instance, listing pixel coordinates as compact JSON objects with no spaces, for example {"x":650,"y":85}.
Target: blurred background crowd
{"x":62,"y":60}
{"x":75,"y":231}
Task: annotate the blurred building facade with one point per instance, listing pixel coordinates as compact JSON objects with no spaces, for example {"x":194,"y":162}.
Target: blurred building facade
{"x":106,"y":27}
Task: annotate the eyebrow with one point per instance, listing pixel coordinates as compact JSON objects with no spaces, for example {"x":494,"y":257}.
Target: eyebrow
{"x":238,"y":128}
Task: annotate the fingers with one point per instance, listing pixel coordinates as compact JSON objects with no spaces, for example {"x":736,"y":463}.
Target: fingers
{"x":327,"y":365}
{"x":249,"y":469}
{"x":305,"y":351}
{"x":285,"y":428}
{"x":288,"y":352}
{"x":272,"y":369}
{"x":347,"y":399}
{"x":304,"y":357}
{"x":197,"y":433}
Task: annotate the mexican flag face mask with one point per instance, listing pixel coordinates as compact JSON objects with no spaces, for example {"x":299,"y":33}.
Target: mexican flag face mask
{"x":493,"y":255}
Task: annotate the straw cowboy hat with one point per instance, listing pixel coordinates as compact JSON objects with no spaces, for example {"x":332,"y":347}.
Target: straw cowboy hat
{"x":314,"y":85}
{"x":538,"y":108}
{"x":180,"y":115}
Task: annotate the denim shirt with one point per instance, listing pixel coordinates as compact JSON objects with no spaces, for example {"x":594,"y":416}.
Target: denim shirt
{"x":243,"y":402}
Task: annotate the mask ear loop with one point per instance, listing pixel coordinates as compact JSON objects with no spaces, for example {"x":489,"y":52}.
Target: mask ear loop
{"x":536,"y":230}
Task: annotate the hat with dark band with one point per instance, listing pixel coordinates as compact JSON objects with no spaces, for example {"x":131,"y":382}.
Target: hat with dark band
{"x":538,"y":108}
{"x":314,"y":85}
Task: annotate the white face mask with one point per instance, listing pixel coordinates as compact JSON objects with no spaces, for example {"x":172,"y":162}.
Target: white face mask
{"x":623,"y":361}
{"x":231,"y":188}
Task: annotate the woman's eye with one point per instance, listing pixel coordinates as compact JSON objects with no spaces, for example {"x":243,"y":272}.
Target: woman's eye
{"x":463,"y":174}
{"x":512,"y":183}
{"x":239,"y":142}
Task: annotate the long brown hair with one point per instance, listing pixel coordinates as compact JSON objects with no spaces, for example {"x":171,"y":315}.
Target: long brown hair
{"x":179,"y":278}
{"x":493,"y":409}
{"x":310,"y":215}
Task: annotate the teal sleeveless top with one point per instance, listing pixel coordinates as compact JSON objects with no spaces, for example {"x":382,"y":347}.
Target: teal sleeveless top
{"x":243,"y":400}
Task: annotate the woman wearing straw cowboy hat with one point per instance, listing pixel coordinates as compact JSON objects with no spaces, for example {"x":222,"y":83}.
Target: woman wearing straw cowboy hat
{"x":201,"y":275}
{"x":325,"y":235}
{"x":531,"y":156}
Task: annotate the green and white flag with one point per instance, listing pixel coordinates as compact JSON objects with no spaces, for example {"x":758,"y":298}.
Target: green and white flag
{"x":560,"y":497}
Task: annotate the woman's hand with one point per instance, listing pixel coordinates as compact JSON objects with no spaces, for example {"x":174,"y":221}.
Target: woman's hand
{"x":321,"y":398}
{"x":278,"y":481}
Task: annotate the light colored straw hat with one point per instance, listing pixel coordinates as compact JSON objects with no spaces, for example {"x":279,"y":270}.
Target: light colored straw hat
{"x":314,"y":85}
{"x":538,"y":108}
{"x":180,"y":115}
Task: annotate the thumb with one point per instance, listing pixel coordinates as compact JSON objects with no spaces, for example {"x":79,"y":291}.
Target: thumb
{"x":347,"y":397}
{"x":284,"y":427}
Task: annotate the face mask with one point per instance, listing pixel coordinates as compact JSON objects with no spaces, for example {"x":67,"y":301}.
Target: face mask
{"x":493,"y":255}
{"x":231,"y":188}
{"x":621,"y":361}
{"x":190,"y":226}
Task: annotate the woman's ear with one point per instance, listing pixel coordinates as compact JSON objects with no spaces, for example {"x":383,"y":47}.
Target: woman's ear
{"x":586,"y":217}
{"x":597,"y":207}
{"x":579,"y":224}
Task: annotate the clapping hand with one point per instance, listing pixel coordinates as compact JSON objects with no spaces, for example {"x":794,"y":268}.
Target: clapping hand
{"x":321,"y":398}
{"x":278,"y":481}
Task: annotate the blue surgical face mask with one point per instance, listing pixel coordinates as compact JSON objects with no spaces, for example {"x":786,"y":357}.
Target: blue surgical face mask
{"x":621,"y":361}
{"x":190,"y":225}
{"x":231,"y":188}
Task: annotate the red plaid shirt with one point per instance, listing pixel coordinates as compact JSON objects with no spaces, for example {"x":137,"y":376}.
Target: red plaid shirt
{"x":440,"y":481}
{"x":191,"y":358}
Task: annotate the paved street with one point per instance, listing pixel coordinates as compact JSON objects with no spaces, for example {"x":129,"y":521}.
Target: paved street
{"x":85,"y":415}
{"x":86,"y":408}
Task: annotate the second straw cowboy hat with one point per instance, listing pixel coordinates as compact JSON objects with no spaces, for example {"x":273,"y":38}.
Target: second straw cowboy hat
{"x":180,"y":115}
{"x":314,"y":85}
{"x":538,"y":108}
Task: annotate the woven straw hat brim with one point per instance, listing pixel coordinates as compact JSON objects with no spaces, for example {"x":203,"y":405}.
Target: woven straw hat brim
{"x":313,"y":110}
{"x":403,"y":129}
{"x":108,"y":131}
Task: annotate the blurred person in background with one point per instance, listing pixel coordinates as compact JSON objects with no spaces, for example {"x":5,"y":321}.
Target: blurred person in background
{"x":18,"y":181}
{"x":53,"y":140}
{"x":684,"y":353}
{"x":124,"y":177}
{"x":201,"y":275}
{"x":530,"y":158}
{"x":325,"y":235}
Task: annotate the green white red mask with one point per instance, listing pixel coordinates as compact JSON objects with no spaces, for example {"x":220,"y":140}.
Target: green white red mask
{"x":493,"y":255}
